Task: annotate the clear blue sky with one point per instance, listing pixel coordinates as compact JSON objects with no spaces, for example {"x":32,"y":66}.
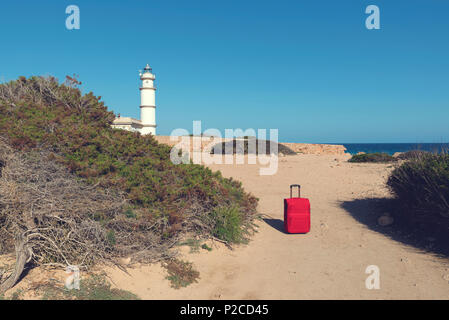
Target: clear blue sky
{"x":309,"y":68}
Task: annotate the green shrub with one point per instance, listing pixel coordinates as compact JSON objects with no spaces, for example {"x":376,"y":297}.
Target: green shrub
{"x":181,"y":273}
{"x":421,"y":186}
{"x":372,"y":157}
{"x":227,"y":224}
{"x":206,"y":247}
{"x":39,"y":112}
{"x":238,"y":146}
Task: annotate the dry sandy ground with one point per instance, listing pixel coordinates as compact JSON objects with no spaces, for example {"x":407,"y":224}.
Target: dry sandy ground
{"x":327,"y":263}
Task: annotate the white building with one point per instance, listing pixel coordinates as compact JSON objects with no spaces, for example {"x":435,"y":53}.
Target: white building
{"x":147,"y":122}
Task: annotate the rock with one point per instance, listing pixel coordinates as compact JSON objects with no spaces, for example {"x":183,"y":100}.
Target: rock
{"x":305,"y":148}
{"x":313,"y":148}
{"x":361,"y":152}
{"x":385,"y":220}
{"x":446,"y":277}
{"x":397,"y":154}
{"x":125,"y":261}
{"x":404,"y":260}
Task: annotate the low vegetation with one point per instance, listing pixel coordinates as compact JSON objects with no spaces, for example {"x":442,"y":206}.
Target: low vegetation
{"x":372,"y":157}
{"x":421,"y":186}
{"x":250,"y":145}
{"x":181,"y":273}
{"x":206,"y":247}
{"x":412,"y":154}
{"x":194,"y":244}
{"x":75,"y":191}
{"x":93,"y":287}
{"x":226,"y":224}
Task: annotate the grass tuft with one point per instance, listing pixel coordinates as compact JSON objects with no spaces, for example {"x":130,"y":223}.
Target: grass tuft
{"x":228,"y":223}
{"x":206,"y":247}
{"x":181,"y":273}
{"x":194,"y":244}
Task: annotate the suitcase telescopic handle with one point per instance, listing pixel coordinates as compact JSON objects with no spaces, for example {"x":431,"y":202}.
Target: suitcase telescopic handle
{"x":299,"y":190}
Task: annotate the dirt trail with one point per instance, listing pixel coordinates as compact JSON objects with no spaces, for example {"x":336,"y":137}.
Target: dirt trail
{"x":327,"y":263}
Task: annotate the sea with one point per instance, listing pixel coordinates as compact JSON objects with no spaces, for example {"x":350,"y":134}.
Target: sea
{"x":391,"y":148}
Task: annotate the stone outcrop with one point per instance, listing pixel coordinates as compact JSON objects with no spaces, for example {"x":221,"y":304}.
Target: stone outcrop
{"x":315,"y":148}
{"x":206,"y":143}
{"x":201,"y":144}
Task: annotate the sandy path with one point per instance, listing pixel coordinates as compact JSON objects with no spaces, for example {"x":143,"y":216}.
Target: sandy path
{"x":327,"y":263}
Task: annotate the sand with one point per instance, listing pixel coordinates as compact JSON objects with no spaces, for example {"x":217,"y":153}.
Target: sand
{"x":327,"y":263}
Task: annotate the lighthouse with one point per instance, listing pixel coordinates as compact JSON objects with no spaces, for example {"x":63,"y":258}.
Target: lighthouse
{"x":148,"y":102}
{"x":147,"y":122}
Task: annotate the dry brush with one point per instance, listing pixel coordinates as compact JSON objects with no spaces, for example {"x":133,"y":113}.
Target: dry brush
{"x":50,"y":217}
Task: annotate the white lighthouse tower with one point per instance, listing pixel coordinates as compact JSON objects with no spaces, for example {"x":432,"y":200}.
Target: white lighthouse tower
{"x":147,"y":122}
{"x":148,"y":102}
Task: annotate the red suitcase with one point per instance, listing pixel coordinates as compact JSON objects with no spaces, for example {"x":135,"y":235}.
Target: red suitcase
{"x":296,"y":213}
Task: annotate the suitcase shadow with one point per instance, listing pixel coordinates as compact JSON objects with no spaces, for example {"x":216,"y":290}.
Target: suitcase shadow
{"x":276,"y":224}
